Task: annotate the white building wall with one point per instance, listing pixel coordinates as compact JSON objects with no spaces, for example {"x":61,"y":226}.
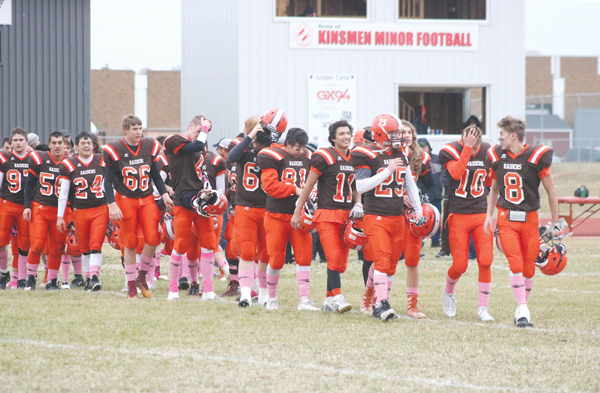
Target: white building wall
{"x":271,"y":74}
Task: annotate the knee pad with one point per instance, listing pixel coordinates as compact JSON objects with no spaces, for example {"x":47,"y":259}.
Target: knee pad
{"x":131,"y":241}
{"x":277,"y":261}
{"x":247,"y":251}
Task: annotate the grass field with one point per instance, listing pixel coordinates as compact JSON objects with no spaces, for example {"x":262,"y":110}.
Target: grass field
{"x":76,"y":341}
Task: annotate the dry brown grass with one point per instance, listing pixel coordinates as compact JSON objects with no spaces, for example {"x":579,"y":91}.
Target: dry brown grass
{"x":75,"y":341}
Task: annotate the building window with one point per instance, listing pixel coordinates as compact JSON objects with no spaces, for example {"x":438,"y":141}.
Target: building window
{"x":322,"y":8}
{"x":447,"y":109}
{"x":442,"y":9}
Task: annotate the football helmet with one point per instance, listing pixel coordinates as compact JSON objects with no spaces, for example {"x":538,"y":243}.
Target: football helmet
{"x":354,"y":237}
{"x":432,"y":221}
{"x":386,"y":130}
{"x":552,"y":258}
{"x":72,"y":248}
{"x":274,"y":122}
{"x":112,"y":235}
{"x":209,"y":203}
{"x":167,"y":226}
{"x":307,"y":215}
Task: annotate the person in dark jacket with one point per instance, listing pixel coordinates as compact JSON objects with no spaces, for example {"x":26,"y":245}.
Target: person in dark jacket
{"x":419,"y":121}
{"x":435,"y":192}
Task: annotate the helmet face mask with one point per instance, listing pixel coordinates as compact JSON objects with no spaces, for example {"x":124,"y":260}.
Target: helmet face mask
{"x":552,"y":258}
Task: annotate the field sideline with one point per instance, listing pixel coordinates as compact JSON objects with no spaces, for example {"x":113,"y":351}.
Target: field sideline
{"x":75,"y":341}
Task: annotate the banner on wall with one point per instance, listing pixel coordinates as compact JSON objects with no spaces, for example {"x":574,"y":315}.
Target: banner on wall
{"x":385,"y":36}
{"x":331,"y":97}
{"x":5,"y":12}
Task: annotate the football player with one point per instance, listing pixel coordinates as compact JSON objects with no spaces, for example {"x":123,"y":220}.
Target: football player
{"x":284,"y":169}
{"x":90,"y":212}
{"x":130,"y":168}
{"x":338,"y":202}
{"x":184,"y":153}
{"x":382,"y":175}
{"x":517,"y":170}
{"x":41,"y":206}
{"x":14,"y":168}
{"x":466,"y":163}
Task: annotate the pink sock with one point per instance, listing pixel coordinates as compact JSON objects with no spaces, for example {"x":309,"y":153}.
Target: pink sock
{"x":303,"y":279}
{"x":518,"y":286}
{"x":207,"y":266}
{"x":130,"y":272}
{"x":152,"y":269}
{"x":76,"y":262}
{"x":380,"y":282}
{"x":145,"y":263}
{"x":272,"y":281}
{"x":65,"y":263}
{"x":370,"y":278}
{"x":528,"y":286}
{"x":185,"y":266}
{"x":390,"y":281}
{"x":137,"y":266}
{"x":484,"y":293}
{"x":46,"y":261}
{"x":32,"y":269}
{"x":22,"y":267}
{"x":15,"y":275}
{"x":262,"y":279}
{"x":246,"y":277}
{"x":4,"y":260}
{"x":255,"y":271}
{"x":174,"y":272}
{"x":193,"y":269}
{"x":450,"y":284}
{"x":52,"y":274}
{"x":223,"y":262}
{"x":412,"y":291}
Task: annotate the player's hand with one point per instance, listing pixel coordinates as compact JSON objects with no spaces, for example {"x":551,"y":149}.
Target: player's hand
{"x":357,"y":211}
{"x":395,"y":164}
{"x":60,"y":224}
{"x":554,"y":229}
{"x":407,"y":202}
{"x":230,"y":213}
{"x":257,"y":128}
{"x":170,"y":190}
{"x":115,"y":212}
{"x":27,"y":214}
{"x":487,"y":226}
{"x":471,"y":138}
{"x":298,"y":191}
{"x":419,"y":216}
{"x":296,"y":219}
{"x":206,"y":123}
{"x":168,"y":201}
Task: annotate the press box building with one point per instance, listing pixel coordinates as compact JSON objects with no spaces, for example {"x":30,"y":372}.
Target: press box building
{"x":353,"y":59}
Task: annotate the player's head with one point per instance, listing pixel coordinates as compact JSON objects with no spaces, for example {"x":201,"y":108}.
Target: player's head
{"x":512,"y":131}
{"x":195,"y":127}
{"x":408,"y":135}
{"x":387,"y":131}
{"x":340,"y":134}
{"x":18,"y":140}
{"x":479,"y":135}
{"x":132,"y":127}
{"x":85,"y":144}
{"x":161,"y":139}
{"x":295,"y":142}
{"x":56,"y":142}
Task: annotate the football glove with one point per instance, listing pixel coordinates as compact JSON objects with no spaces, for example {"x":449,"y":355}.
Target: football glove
{"x":357,"y":211}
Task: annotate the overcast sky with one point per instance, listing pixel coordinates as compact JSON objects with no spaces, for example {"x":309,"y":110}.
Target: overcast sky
{"x":136,"y":34}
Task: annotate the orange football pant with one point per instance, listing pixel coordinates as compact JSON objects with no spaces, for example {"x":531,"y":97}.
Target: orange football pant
{"x":231,"y":250}
{"x":250,"y":234}
{"x":218,"y":230}
{"x":11,"y":214}
{"x":367,"y":250}
{"x":412,"y":246}
{"x":182,"y":225}
{"x":142,"y":212}
{"x":520,"y":242}
{"x":90,"y":227}
{"x":279,"y":230}
{"x":331,"y":233}
{"x":462,"y":227}
{"x":43,"y":227}
{"x":386,"y":236}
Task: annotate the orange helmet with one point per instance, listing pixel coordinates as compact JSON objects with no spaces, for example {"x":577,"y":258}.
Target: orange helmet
{"x":386,"y":130}
{"x":354,"y":237}
{"x":553,"y":257}
{"x":210,"y":203}
{"x":71,"y":243}
{"x":167,"y":226}
{"x":306,"y":222}
{"x":432,"y":221}
{"x":112,"y":235}
{"x":274,"y":121}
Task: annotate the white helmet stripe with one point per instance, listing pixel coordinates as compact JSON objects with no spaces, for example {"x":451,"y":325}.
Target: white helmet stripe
{"x":277,"y":117}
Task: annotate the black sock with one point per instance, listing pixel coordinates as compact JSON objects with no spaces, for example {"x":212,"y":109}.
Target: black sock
{"x":366,"y":268}
{"x":233,"y":265}
{"x":334,"y":280}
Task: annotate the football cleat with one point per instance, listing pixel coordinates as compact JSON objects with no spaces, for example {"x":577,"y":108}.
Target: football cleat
{"x":243,"y":303}
{"x":21,"y":284}
{"x":263,"y":297}
{"x":4,"y":279}
{"x":132,"y":291}
{"x":142,"y":285}
{"x":65,"y":285}
{"x":211,"y":297}
{"x":13,"y":285}
{"x":78,"y":281}
{"x":224,"y":273}
{"x":173,"y":296}
{"x":30,"y":285}
{"x":95,"y":284}
{"x":194,"y":289}
{"x":366,"y":306}
{"x":449,"y":304}
{"x":306,"y":305}
{"x":87,"y":287}
{"x":411,"y":308}
{"x":184,"y":284}
{"x":483,"y":315}
{"x":340,"y":304}
{"x":272,"y":303}
{"x":232,"y":290}
{"x":383,"y":311}
{"x":328,"y":304}
{"x":52,"y":285}
{"x":522,"y":316}
{"x":151,"y":283}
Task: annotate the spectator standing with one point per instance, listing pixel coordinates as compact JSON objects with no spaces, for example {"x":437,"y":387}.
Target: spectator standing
{"x":434,"y":193}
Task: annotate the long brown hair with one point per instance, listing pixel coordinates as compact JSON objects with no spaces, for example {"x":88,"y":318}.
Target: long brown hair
{"x":417,"y":152}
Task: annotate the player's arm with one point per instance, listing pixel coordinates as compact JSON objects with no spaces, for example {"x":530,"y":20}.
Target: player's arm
{"x":365,"y":182}
{"x":236,"y":153}
{"x":1,"y":178}
{"x":456,"y":168}
{"x":275,"y":188}
{"x":113,"y":209}
{"x":65,"y":185}
{"x":491,"y":205}
{"x":28,"y":195}
{"x":160,"y":185}
{"x":221,"y":183}
{"x":308,"y":186}
{"x":548,"y":184}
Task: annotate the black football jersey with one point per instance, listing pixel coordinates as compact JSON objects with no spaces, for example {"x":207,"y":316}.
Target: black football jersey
{"x":336,"y":179}
{"x":387,"y":199}
{"x":15,"y":171}
{"x":289,"y":169}
{"x":87,"y":181}
{"x":249,"y":191}
{"x":519,"y":176}
{"x":132,"y":166}
{"x":232,"y":175}
{"x":46,"y":170}
{"x":186,"y":169}
{"x":214,"y":165}
{"x":469,"y":194}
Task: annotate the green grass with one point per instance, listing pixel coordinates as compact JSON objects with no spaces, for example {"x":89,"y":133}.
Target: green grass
{"x":76,"y":341}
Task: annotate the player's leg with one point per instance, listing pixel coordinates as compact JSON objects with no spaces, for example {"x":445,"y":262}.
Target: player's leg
{"x":182,"y":224}
{"x":7,"y":221}
{"x":128,"y":238}
{"x":302,"y":246}
{"x":459,"y":237}
{"x":484,"y":244}
{"x":38,"y":234}
{"x":396,"y":228}
{"x":278,"y":232}
{"x":148,"y":219}
{"x":207,"y":240}
{"x":247,"y":237}
{"x":368,"y":298}
{"x":57,"y":249}
{"x":15,"y":262}
{"x":192,"y":263}
{"x":262,"y":260}
{"x":335,"y":250}
{"x":97,"y":226}
{"x":530,"y":244}
{"x":412,"y":254}
{"x":218,"y":252}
